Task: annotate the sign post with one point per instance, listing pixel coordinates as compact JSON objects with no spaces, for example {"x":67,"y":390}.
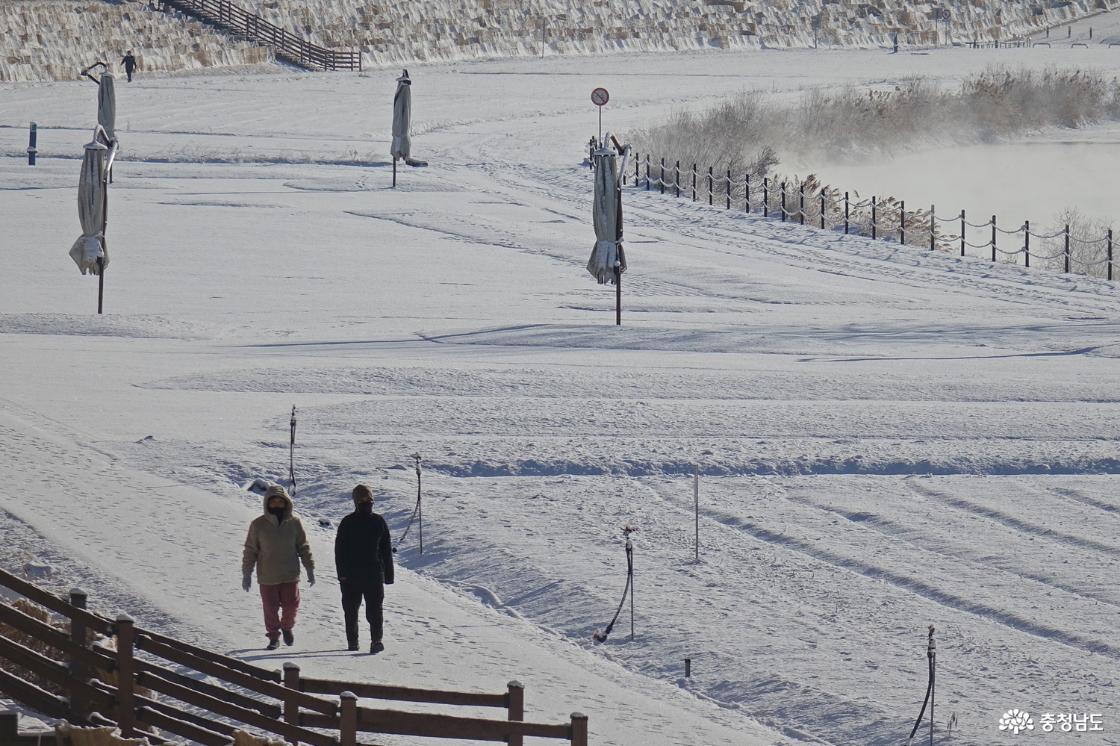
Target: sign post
{"x":600,"y":97}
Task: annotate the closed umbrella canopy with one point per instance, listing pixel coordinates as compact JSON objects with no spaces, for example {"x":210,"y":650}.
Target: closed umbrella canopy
{"x":107,"y":105}
{"x":402,"y":118}
{"x":90,"y":246}
{"x":607,"y":216}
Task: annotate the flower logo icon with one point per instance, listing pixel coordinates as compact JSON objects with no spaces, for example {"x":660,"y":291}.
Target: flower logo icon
{"x":1016,"y":721}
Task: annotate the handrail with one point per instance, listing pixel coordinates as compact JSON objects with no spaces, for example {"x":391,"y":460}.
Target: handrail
{"x":208,"y":711}
{"x":403,"y":693}
{"x":55,"y":604}
{"x":235,"y":19}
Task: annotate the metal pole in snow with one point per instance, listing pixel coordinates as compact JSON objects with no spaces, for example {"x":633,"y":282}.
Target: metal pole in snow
{"x":696,"y":506}
{"x":292,"y":455}
{"x":419,"y":504}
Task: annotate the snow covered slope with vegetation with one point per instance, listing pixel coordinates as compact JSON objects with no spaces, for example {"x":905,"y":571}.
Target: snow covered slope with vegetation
{"x":52,"y":39}
{"x":444,"y":30}
{"x":55,"y":39}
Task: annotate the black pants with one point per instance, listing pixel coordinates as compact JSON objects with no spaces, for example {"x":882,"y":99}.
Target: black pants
{"x":353,"y":591}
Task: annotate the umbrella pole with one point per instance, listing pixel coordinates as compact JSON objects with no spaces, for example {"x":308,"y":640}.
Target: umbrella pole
{"x":617,"y":294}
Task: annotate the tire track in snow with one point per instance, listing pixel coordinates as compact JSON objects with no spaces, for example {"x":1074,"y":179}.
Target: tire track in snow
{"x":914,"y":585}
{"x":1012,"y":522}
{"x":897,"y":532}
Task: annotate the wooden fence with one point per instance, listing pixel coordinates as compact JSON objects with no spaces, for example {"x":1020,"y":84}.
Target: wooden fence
{"x":121,"y":684}
{"x":287,"y":46}
{"x":820,"y":206}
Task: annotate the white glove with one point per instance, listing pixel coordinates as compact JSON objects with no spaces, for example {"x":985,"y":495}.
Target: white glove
{"x":310,"y":577}
{"x":246,"y":582}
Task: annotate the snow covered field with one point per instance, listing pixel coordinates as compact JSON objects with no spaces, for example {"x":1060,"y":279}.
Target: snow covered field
{"x":887,"y":439}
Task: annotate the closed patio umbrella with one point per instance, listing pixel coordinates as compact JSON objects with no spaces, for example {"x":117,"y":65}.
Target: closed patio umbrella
{"x":107,"y":105}
{"x":90,"y":246}
{"x":402,"y":118}
{"x":607,"y":217}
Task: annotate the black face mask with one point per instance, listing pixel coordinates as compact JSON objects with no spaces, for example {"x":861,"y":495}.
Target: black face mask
{"x":365,"y":508}
{"x":278,"y":512}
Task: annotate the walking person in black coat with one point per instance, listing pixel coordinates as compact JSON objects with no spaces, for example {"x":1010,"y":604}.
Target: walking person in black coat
{"x":129,"y":62}
{"x":363,"y":558}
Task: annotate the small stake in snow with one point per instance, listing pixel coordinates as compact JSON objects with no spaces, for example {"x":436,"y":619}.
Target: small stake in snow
{"x":931,"y":654}
{"x":696,"y":504}
{"x":417,"y":511}
{"x":292,"y":456}
{"x":601,"y":635}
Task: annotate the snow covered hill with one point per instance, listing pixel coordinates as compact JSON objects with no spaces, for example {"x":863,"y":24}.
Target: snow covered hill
{"x":888,"y":438}
{"x":53,"y":39}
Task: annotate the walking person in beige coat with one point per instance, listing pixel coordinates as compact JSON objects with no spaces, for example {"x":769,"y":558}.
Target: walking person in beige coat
{"x":276,"y":544}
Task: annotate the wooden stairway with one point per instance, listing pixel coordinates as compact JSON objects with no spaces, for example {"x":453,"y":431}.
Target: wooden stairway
{"x":236,"y":21}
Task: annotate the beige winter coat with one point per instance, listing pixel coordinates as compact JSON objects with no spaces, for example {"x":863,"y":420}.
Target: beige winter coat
{"x":276,"y":549}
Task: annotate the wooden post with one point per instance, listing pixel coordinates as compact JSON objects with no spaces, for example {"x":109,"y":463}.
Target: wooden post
{"x":647,"y":172}
{"x":126,"y":672}
{"x":874,"y":217}
{"x":677,"y":179}
{"x":822,"y":209}
{"x":9,"y":726}
{"x":579,"y":729}
{"x":1067,"y":248}
{"x":515,"y":693}
{"x":711,"y":186}
{"x":728,"y":184}
{"x":637,"y":171}
{"x":693,"y":182}
{"x":932,"y":225}
{"x":291,"y":705}
{"x":662,"y":177}
{"x":79,"y":673}
{"x":783,"y":202}
{"x":963,"y":226}
{"x":747,"y":192}
{"x":902,"y":222}
{"x":801,"y":203}
{"x":845,"y":213}
{"x":766,"y":197}
{"x":1027,"y":243}
{"x":348,"y":720}
{"x":993,"y":238}
{"x":1109,"y":253}
{"x":33,"y":144}
{"x":688,"y":668}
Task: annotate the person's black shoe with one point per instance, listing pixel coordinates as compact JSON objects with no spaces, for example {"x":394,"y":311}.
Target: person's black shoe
{"x":375,"y":647}
{"x":289,"y":638}
{"x":272,"y":645}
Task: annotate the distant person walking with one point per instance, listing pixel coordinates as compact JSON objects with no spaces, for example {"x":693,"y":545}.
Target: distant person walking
{"x":363,"y":558}
{"x":129,"y":63}
{"x":275,"y":546}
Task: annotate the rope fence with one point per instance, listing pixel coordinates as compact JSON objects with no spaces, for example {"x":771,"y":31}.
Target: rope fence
{"x":809,"y":202}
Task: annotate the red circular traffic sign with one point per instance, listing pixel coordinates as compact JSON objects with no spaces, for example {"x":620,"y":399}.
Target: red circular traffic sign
{"x":600,"y":97}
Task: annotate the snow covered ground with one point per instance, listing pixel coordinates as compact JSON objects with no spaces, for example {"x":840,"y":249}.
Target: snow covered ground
{"x":887,"y":439}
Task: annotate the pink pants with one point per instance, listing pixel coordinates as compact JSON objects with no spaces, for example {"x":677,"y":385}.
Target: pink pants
{"x":276,"y":597}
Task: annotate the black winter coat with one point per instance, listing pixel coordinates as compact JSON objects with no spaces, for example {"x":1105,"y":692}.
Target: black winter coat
{"x":362,"y":549}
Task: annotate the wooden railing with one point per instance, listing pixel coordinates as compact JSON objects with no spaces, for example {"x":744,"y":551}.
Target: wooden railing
{"x":286,"y":705}
{"x":287,"y":46}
